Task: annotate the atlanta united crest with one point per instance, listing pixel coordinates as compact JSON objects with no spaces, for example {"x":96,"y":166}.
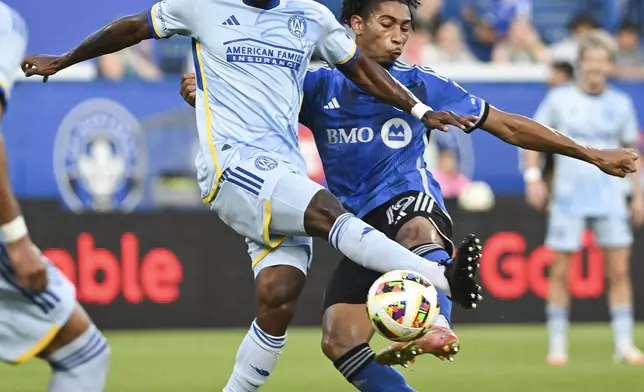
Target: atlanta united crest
{"x":99,"y":159}
{"x":297,"y":26}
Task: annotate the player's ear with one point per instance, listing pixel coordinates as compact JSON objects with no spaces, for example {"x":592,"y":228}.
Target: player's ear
{"x":357,"y":24}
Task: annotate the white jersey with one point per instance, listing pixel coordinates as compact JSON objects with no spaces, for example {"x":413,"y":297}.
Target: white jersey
{"x":605,"y":121}
{"x":13,"y":43}
{"x":250,"y":62}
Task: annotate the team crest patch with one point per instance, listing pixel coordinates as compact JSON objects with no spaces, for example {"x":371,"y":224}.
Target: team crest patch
{"x":99,"y":159}
{"x":297,"y":26}
{"x":265,"y":163}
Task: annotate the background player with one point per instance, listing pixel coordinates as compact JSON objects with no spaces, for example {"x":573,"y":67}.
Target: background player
{"x":388,"y":182}
{"x":603,"y":117}
{"x":249,"y":166}
{"x":39,"y":315}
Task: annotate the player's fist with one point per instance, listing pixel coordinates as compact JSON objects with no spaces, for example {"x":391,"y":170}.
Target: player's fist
{"x":617,"y":162}
{"x":41,"y":64}
{"x":442,"y":121}
{"x":536,"y":194}
{"x":28,"y":266}
{"x":189,"y":88}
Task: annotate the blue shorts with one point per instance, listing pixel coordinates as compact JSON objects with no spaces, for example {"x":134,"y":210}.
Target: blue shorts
{"x":565,"y":231}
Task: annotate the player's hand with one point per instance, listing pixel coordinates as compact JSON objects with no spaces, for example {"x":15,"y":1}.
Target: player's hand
{"x":617,"y":162}
{"x":536,"y":194}
{"x":189,"y":88}
{"x":30,"y":270}
{"x":637,"y":208}
{"x":42,"y":65}
{"x":442,"y":121}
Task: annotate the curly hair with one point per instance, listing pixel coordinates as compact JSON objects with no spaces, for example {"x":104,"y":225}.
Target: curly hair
{"x":363,"y":8}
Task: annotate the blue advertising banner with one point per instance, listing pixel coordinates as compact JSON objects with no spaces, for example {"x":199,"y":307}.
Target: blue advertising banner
{"x":44,"y":137}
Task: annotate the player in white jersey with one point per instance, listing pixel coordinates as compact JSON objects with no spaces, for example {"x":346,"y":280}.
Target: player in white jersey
{"x":39,"y":315}
{"x":251,"y":58}
{"x":599,"y":116}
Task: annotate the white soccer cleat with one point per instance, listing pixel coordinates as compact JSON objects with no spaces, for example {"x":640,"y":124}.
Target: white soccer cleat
{"x":631,"y":356}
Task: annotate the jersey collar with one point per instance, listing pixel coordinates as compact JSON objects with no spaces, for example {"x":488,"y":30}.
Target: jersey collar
{"x":262,"y":4}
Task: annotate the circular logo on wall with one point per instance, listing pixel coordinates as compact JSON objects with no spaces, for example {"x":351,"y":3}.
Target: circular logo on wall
{"x":396,"y":133}
{"x":297,"y":26}
{"x":99,"y":159}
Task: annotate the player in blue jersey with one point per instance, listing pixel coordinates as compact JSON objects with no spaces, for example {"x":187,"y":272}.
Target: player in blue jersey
{"x":372,"y":157}
{"x":251,"y":57}
{"x":39,"y":315}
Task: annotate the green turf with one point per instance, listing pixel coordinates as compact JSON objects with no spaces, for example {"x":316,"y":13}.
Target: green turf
{"x":493,"y":358}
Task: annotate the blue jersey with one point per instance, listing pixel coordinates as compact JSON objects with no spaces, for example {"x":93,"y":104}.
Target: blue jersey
{"x":371,"y":151}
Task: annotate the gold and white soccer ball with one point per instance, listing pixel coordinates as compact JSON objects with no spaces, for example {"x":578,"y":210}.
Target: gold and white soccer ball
{"x":402,"y":305}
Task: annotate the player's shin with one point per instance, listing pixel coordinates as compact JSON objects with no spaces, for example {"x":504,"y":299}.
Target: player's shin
{"x":359,"y":367}
{"x":372,"y":249}
{"x":256,"y":358}
{"x":82,"y":365}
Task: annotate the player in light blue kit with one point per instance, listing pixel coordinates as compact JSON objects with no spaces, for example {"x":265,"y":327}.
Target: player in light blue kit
{"x":373,"y":159}
{"x":600,"y":116}
{"x":251,"y":58}
{"x":39,"y":315}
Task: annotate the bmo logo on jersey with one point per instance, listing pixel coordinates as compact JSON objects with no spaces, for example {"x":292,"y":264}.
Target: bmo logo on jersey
{"x":395,"y":133}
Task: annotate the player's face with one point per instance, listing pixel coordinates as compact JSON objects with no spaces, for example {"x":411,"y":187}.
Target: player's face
{"x":595,"y":64}
{"x":384,"y":34}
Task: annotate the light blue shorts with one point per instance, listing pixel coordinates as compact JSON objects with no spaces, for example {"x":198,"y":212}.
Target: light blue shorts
{"x":565,"y":231}
{"x":29,"y":321}
{"x":264,"y":199}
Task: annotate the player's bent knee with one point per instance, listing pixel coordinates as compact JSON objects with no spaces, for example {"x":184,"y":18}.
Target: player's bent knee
{"x":278,"y":289}
{"x":321,"y":213}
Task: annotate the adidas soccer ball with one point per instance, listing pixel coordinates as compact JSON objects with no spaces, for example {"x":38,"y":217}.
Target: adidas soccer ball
{"x":402,"y":305}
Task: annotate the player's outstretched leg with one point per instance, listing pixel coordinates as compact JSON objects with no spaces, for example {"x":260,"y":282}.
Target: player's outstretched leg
{"x":79,"y":356}
{"x":440,"y":340}
{"x":326,"y":218}
{"x":345,"y":336}
{"x":278,"y":288}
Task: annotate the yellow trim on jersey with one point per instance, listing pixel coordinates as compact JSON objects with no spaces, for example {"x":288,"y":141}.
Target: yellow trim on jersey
{"x":154,"y":23}
{"x":301,"y":102}
{"x":266,"y":251}
{"x":267,"y":221}
{"x":38,"y":347}
{"x":211,"y":142}
{"x":355,"y":47}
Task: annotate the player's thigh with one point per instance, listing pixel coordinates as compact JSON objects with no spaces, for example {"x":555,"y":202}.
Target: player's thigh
{"x":30,"y":322}
{"x":564,"y":232}
{"x":612,"y":232}
{"x":264,"y":199}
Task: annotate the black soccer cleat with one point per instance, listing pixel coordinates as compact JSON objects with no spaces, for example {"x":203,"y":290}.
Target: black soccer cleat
{"x":460,"y":273}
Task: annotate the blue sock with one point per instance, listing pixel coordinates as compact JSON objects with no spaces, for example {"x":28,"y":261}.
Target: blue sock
{"x":359,"y":367}
{"x":436,"y":254}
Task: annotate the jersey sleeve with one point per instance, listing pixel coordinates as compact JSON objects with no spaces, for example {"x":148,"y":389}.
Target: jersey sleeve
{"x":335,"y":46}
{"x":547,"y":111}
{"x":169,"y":17}
{"x":444,"y":94}
{"x":631,"y":131}
{"x":13,"y":41}
{"x":308,"y":91}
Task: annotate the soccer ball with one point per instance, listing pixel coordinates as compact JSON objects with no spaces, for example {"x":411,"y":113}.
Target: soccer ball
{"x":402,"y":305}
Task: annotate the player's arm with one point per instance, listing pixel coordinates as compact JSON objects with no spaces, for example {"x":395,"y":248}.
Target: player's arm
{"x":188,"y":89}
{"x":529,"y":134}
{"x":118,"y":35}
{"x":337,"y":48}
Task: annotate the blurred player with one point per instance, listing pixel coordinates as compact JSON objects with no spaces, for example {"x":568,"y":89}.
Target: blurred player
{"x":602,"y":117}
{"x":39,"y":315}
{"x":388,"y":182}
{"x":251,"y":57}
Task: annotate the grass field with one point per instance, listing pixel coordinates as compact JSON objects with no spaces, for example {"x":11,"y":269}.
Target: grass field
{"x":493,"y":358}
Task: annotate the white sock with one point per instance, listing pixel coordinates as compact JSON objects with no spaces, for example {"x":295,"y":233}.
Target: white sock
{"x":82,"y":365}
{"x":372,"y":249}
{"x":622,"y":323}
{"x":441,"y":321}
{"x":557,"y":320}
{"x":256,"y":358}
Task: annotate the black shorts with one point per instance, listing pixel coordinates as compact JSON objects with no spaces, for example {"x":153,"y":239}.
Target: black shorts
{"x":350,"y":282}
